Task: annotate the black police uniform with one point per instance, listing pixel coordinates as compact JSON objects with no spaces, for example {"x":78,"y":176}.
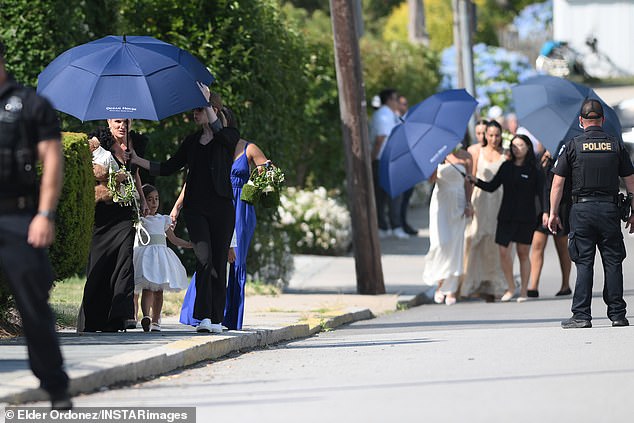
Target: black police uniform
{"x":594,"y":161}
{"x":25,"y":120}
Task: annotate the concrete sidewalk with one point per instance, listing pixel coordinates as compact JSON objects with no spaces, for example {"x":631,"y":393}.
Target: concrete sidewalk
{"x":320,"y":296}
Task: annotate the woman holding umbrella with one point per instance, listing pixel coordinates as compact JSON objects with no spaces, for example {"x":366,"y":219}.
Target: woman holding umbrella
{"x":449,"y":207}
{"x":247,"y":155}
{"x":207,"y":206}
{"x":107,"y":302}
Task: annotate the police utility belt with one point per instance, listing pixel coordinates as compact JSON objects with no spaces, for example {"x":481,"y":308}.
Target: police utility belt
{"x":595,"y":198}
{"x":622,"y":201}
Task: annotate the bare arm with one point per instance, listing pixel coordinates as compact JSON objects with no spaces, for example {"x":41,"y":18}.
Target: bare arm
{"x":178,"y":205}
{"x":42,"y":230}
{"x":474,"y":150}
{"x":468,"y":188}
{"x":143,"y":208}
{"x":556,"y":192}
{"x":255,"y":155}
{"x":179,"y":242}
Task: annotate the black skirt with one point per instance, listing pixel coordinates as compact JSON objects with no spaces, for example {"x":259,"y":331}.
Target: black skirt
{"x":519,"y":232}
{"x":108,"y":299}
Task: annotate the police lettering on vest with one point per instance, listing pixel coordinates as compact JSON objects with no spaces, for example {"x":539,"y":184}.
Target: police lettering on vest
{"x":597,"y":146}
{"x":597,"y":165}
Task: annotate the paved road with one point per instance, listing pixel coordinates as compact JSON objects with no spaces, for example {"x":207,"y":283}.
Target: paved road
{"x":472,"y":362}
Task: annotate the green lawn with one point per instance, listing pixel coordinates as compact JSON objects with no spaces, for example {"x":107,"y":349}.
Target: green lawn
{"x":66,"y":298}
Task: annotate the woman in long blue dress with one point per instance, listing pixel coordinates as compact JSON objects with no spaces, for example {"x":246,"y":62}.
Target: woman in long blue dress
{"x":246,"y":155}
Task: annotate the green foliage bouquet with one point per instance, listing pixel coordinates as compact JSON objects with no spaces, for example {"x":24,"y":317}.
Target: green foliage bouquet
{"x":124,"y":192}
{"x":264,"y":186}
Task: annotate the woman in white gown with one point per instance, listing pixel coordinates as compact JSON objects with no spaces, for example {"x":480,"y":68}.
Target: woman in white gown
{"x":483,"y":270}
{"x":448,"y":210}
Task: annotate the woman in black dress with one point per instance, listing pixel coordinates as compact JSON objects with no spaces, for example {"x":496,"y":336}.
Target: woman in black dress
{"x":523,"y":183}
{"x":207,"y":206}
{"x":107,"y":303}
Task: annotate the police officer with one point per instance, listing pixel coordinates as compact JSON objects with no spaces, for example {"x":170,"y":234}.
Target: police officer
{"x":29,"y":130}
{"x":595,"y":161}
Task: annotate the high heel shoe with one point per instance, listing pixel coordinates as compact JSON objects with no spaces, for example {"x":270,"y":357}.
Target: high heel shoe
{"x":439,"y":297}
{"x":507,"y":296}
{"x":563,"y":292}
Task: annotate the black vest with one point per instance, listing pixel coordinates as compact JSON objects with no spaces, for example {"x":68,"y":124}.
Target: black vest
{"x":595,"y":170}
{"x":18,"y":173}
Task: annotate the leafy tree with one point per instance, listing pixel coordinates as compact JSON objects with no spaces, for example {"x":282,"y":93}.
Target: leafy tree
{"x":36,"y":31}
{"x":411,"y":69}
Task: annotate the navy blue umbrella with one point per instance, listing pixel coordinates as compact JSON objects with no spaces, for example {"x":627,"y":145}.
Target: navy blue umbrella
{"x":124,"y":77}
{"x":431,"y":130}
{"x":549,"y":107}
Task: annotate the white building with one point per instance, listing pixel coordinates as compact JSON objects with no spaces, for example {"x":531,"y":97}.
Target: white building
{"x":611,"y":22}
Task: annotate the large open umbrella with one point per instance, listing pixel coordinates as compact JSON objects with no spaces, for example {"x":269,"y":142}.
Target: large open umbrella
{"x":124,"y":77}
{"x":431,"y":130}
{"x":549,"y":107}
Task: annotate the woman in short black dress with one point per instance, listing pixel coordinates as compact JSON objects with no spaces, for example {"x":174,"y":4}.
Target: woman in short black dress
{"x":523,"y":183}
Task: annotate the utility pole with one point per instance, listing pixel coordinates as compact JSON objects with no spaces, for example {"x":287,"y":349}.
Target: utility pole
{"x":367,"y":250}
{"x":465,"y":11}
{"x":462,"y":22}
{"x":416,"y":30}
{"x":457,"y":42}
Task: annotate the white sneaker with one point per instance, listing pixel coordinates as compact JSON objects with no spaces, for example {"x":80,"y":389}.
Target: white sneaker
{"x":385,"y":233}
{"x":400,"y":233}
{"x":216,"y":328}
{"x":205,"y":326}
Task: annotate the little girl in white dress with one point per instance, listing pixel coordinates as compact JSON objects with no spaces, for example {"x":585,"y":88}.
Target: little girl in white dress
{"x":156,"y":267}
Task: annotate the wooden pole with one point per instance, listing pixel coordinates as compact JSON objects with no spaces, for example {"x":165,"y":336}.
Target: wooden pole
{"x":367,"y":250}
{"x":416,"y":30}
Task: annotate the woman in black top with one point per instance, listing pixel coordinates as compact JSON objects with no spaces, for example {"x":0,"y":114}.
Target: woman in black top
{"x":207,"y":207}
{"x":522,"y":183}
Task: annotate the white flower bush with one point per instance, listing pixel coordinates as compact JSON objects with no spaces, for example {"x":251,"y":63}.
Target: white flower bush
{"x":270,"y":259}
{"x":316,"y":222}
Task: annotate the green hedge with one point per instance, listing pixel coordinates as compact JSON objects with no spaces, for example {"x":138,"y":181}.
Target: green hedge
{"x":76,"y":210}
{"x":75,"y":215}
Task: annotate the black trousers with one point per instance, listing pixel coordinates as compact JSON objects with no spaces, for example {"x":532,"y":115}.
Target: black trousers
{"x":383,"y":200}
{"x":30,"y":277}
{"x":211,"y":232}
{"x":405,"y":198}
{"x":592,"y":225}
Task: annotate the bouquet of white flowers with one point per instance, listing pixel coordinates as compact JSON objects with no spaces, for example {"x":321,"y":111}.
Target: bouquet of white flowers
{"x":264,"y":186}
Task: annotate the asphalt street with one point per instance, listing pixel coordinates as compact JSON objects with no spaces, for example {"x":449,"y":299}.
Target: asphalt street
{"x":472,"y":362}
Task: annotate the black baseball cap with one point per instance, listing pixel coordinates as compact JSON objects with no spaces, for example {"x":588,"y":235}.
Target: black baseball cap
{"x":591,"y":109}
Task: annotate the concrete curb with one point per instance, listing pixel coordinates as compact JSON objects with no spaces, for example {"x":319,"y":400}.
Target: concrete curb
{"x":351,"y":316}
{"x":409,"y":301}
{"x":132,"y":366}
